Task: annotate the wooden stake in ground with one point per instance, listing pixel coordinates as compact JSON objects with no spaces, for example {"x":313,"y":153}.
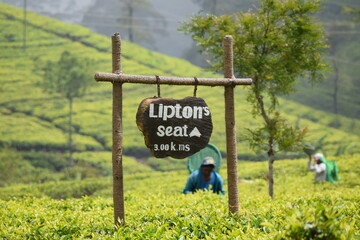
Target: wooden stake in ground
{"x":118,"y":78}
{"x":231,"y":150}
{"x":117,"y":128}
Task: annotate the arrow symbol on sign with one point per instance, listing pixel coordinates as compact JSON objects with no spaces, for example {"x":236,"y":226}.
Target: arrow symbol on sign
{"x":195,"y":132}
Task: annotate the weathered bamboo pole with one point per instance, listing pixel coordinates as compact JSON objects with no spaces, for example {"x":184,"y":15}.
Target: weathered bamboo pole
{"x":117,"y":168}
{"x":126,"y":78}
{"x":231,"y":151}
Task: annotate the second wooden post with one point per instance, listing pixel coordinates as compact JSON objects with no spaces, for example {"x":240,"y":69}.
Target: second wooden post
{"x":231,"y":151}
{"x":117,"y":149}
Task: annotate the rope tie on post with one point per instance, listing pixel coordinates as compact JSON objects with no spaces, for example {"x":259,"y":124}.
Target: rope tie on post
{"x":158,"y":85}
{"x":232,"y":83}
{"x":195,"y":85}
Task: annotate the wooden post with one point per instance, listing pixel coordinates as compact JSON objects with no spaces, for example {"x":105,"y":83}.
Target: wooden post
{"x":231,"y":151}
{"x":118,"y":190}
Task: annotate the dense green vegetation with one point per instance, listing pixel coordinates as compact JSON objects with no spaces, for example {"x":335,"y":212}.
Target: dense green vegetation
{"x":155,"y":207}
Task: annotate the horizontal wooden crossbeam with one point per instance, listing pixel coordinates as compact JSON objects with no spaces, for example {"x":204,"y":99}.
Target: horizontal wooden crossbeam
{"x":126,"y":78}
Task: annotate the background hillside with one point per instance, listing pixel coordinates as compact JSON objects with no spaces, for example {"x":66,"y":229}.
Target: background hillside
{"x":35,"y":123}
{"x":156,"y":25}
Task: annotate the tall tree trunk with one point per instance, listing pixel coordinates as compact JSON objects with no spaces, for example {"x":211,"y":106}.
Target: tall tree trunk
{"x":130,"y":27}
{"x":336,"y":86}
{"x":271,"y":159}
{"x":24,"y":25}
{"x":214,"y":7}
{"x":269,"y":125}
{"x":71,"y":162}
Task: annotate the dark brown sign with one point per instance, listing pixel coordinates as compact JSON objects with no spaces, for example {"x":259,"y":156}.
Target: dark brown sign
{"x":174,"y":127}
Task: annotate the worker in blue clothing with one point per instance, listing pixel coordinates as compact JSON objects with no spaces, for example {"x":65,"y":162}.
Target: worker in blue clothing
{"x":205,"y":178}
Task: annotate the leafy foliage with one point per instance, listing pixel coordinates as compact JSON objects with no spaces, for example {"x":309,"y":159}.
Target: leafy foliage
{"x":67,"y":76}
{"x":275,"y":45}
{"x":155,"y":208}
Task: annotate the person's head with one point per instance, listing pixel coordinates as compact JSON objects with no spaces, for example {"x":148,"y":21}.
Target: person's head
{"x":207,"y":165}
{"x":318,"y":157}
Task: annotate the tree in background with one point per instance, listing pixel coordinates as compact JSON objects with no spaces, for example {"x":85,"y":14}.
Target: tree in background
{"x":336,"y":41}
{"x":11,"y":163}
{"x":355,"y":12}
{"x":132,"y":18}
{"x":218,"y":7}
{"x":128,"y":17}
{"x":15,"y":168}
{"x":215,"y":7}
{"x":69,"y":78}
{"x":274,"y":44}
{"x":208,"y":5}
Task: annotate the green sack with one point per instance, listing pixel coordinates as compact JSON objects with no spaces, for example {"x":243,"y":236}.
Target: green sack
{"x":195,"y":160}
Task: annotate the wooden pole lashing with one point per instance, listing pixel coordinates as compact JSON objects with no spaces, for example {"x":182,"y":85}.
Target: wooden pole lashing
{"x":231,"y":151}
{"x":117,"y":128}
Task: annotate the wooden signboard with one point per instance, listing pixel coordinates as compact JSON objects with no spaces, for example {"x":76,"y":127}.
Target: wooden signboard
{"x":174,"y":127}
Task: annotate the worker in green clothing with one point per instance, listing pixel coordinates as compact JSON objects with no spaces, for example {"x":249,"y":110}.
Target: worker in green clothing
{"x":205,"y":178}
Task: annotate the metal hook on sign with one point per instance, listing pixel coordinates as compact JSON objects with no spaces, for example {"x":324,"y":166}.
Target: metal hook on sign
{"x":158,"y":85}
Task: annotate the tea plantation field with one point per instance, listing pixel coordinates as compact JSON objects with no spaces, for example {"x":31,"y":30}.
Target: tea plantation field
{"x":156,"y":208}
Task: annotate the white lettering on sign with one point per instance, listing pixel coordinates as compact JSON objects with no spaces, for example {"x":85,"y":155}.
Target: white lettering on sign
{"x":172,"y":146}
{"x":177,"y":111}
{"x":177,"y":131}
{"x":172,"y":131}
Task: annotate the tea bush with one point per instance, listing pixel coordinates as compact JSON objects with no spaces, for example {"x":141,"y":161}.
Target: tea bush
{"x":175,"y":216}
{"x":156,"y":209}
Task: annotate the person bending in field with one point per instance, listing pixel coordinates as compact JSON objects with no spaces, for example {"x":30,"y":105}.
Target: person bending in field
{"x":205,"y":178}
{"x":319,"y":167}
